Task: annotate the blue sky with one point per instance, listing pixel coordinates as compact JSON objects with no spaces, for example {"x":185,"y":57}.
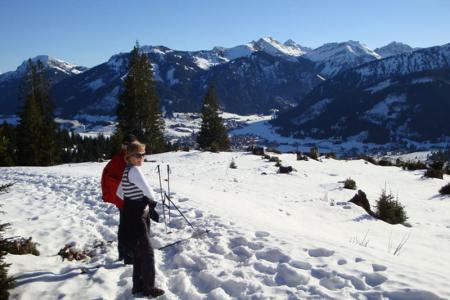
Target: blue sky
{"x":88,"y":32}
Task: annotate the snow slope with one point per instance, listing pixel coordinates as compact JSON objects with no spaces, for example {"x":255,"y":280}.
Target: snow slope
{"x":273,"y":236}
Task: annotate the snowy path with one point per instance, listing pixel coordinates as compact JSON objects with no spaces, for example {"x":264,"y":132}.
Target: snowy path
{"x":267,"y":241}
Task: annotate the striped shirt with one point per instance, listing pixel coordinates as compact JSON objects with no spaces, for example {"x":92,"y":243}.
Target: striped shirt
{"x":133,"y":185}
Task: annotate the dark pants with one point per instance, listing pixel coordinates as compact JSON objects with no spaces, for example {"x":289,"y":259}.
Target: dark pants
{"x":120,"y":236}
{"x":136,"y":231}
{"x":124,"y":254}
{"x":144,"y":265}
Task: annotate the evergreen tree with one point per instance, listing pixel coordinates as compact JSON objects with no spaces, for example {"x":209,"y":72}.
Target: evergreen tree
{"x":37,"y":130}
{"x":6,"y":146}
{"x":30,"y":123}
{"x":116,"y":142}
{"x":138,"y":110}
{"x":6,"y":282}
{"x":66,"y":146}
{"x":49,"y":153}
{"x":213,"y":134}
{"x":127,"y":105}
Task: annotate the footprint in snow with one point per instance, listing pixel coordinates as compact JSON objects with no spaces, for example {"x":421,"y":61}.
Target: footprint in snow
{"x":300,"y":264}
{"x":238,"y":241}
{"x":234,"y":288}
{"x":176,"y":223}
{"x":272,"y":255}
{"x":286,"y":275}
{"x":264,"y":268}
{"x":378,"y":268}
{"x":320,"y":273}
{"x":375,"y":279}
{"x":320,"y":252}
{"x":183,"y":199}
{"x":242,"y":252}
{"x":198,"y":213}
{"x":333,"y":282}
{"x":261,"y":234}
{"x":255,"y":246}
{"x":356,"y":282}
{"x":217,"y":249}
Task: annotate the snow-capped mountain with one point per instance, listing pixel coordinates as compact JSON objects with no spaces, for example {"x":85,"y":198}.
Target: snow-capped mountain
{"x":250,"y":78}
{"x":248,"y":84}
{"x":273,"y":71}
{"x":332,"y":58}
{"x":57,"y":66}
{"x":57,"y":71}
{"x":400,"y":97}
{"x":293,"y":44}
{"x":289,"y":50}
{"x":437,"y":57}
{"x":394,"y":48}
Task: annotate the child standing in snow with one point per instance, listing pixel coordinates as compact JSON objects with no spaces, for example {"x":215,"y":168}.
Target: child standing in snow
{"x":139,"y":205}
{"x":111,"y":177}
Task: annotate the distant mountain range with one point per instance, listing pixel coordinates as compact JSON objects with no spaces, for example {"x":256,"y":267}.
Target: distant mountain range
{"x":337,"y":90}
{"x":402,"y":97}
{"x":250,"y":78}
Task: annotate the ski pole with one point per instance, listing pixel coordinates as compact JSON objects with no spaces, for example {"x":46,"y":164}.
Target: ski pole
{"x":162,"y":198}
{"x":183,"y":240}
{"x":184,"y":217}
{"x":168,"y":186}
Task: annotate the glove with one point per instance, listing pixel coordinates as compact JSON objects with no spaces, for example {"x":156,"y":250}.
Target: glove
{"x":151,"y":205}
{"x":154,"y":215}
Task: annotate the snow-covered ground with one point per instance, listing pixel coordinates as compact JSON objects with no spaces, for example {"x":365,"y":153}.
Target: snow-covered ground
{"x":273,"y":236}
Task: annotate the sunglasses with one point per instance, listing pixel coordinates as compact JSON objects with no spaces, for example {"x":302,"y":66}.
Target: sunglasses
{"x":139,"y":155}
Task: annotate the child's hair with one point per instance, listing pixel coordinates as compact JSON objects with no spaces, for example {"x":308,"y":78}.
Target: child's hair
{"x":132,"y":148}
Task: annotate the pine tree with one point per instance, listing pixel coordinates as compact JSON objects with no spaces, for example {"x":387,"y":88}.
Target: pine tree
{"x":6,"y":282}
{"x":138,"y":110}
{"x":30,"y":124}
{"x":49,"y":153}
{"x":127,"y":104}
{"x":6,"y":148}
{"x":116,"y":141}
{"x":213,"y":134}
{"x":37,"y":130}
{"x":153,"y":123}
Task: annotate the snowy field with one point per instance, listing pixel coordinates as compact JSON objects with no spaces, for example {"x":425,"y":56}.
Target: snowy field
{"x":273,"y":236}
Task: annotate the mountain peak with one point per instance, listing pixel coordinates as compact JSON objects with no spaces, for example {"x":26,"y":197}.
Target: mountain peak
{"x":274,"y":47}
{"x":350,"y":49}
{"x":53,"y":63}
{"x":394,"y":48}
{"x":49,"y":62}
{"x":334,"y":57}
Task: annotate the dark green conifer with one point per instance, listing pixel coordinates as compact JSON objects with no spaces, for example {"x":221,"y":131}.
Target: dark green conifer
{"x":30,"y":123}
{"x":6,"y":147}
{"x":213,"y":134}
{"x":49,"y":153}
{"x":37,"y":131}
{"x":138,"y":110}
{"x":6,"y":282}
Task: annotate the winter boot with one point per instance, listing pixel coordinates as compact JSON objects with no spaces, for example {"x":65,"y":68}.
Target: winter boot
{"x":154,"y":292}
